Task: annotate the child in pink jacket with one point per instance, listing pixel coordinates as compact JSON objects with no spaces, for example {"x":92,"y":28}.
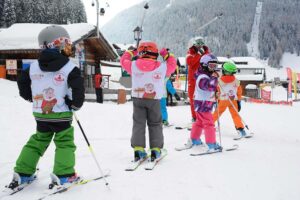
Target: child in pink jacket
{"x":148,"y":76}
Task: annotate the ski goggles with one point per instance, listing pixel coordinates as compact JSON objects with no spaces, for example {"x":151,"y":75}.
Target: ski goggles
{"x":212,"y":66}
{"x":60,"y":43}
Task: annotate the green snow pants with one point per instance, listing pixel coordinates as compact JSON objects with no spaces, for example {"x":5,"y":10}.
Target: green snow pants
{"x":37,"y":145}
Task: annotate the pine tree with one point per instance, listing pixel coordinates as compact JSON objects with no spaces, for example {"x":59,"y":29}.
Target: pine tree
{"x":1,"y":11}
{"x":9,"y":13}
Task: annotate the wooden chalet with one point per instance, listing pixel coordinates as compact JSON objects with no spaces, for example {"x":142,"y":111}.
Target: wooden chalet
{"x":19,"y":42}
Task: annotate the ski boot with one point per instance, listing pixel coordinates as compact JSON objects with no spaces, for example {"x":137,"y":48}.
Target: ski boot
{"x":155,"y":153}
{"x":139,"y":153}
{"x":242,"y":134}
{"x":61,"y":180}
{"x":19,"y":179}
{"x":214,"y":147}
{"x":193,"y":143}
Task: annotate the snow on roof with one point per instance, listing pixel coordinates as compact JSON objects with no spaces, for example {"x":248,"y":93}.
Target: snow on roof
{"x":125,"y":46}
{"x":252,"y":77}
{"x":251,"y":86}
{"x":182,"y":61}
{"x":252,"y":62}
{"x":25,"y":36}
{"x":224,"y":59}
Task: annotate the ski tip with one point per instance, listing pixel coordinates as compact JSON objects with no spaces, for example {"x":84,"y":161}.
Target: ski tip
{"x":178,"y":128}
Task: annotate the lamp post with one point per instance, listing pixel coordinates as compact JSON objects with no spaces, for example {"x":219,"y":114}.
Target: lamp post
{"x":98,"y":12}
{"x":139,"y":29}
{"x":137,"y":35}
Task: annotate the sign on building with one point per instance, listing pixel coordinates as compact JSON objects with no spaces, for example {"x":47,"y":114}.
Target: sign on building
{"x":277,"y":80}
{"x":11,"y":67}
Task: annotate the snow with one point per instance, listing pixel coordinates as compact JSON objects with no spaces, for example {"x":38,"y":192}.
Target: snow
{"x":24,"y":36}
{"x":170,"y":4}
{"x":182,"y":61}
{"x":251,"y":86}
{"x":253,"y":44}
{"x":264,"y":167}
{"x":291,"y":60}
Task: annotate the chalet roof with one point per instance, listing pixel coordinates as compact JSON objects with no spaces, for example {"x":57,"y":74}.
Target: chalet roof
{"x":25,"y":37}
{"x":123,"y":46}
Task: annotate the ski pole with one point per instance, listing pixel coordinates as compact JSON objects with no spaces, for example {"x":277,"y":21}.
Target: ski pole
{"x":234,"y":107}
{"x":91,"y":149}
{"x":218,"y":121}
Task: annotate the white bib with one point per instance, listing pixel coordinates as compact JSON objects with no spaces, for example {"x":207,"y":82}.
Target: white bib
{"x":229,"y":89}
{"x":148,"y":85}
{"x":50,"y":88}
{"x":203,"y":95}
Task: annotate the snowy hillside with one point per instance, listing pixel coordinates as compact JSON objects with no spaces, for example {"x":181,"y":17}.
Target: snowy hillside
{"x":264,"y":167}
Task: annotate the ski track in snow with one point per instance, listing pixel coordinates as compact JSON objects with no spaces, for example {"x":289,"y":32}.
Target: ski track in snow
{"x":254,"y":40}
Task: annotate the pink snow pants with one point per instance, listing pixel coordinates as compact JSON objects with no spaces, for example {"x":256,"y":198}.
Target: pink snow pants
{"x":204,"y":122}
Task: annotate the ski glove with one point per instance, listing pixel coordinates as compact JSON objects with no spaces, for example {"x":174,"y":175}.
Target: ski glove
{"x":164,"y":53}
{"x":177,"y":97}
{"x":239,"y":105}
{"x":69,"y":103}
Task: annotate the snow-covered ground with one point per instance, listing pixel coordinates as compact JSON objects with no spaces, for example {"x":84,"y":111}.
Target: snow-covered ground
{"x":264,"y":167}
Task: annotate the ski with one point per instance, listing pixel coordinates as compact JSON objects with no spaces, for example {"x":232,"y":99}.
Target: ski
{"x":9,"y":192}
{"x":234,"y":147}
{"x":167,"y":126}
{"x":61,"y":189}
{"x":185,"y":147}
{"x":250,"y":135}
{"x":183,"y":127}
{"x":187,"y":126}
{"x":151,"y":165}
{"x":134,"y":165}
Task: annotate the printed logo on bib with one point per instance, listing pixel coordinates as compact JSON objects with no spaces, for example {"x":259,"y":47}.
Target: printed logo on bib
{"x":37,"y":76}
{"x":138,"y":74}
{"x":231,"y":94}
{"x":59,"y":79}
{"x":157,"y":76}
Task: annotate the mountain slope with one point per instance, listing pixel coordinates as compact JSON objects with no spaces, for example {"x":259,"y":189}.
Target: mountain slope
{"x":173,"y":23}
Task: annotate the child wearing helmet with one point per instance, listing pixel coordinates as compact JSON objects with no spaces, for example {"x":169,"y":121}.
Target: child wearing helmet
{"x":229,"y":89}
{"x":55,"y":86}
{"x":204,"y":99}
{"x":163,"y":102}
{"x":196,"y":50}
{"x":148,"y":75}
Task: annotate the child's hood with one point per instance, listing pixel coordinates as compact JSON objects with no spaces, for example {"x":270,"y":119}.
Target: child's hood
{"x":51,"y":60}
{"x":228,"y":78}
{"x":147,"y":65}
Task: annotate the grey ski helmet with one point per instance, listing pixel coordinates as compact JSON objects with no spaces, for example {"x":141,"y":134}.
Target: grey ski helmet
{"x":50,"y":33}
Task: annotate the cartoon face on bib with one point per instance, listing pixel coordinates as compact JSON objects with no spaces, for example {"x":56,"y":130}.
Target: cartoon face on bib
{"x":49,"y":100}
{"x":149,"y":91}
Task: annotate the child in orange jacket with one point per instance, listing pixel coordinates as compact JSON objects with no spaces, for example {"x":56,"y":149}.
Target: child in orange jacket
{"x":229,"y":89}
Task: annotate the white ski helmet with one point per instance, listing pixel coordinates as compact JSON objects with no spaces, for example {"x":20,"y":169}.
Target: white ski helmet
{"x":196,"y":41}
{"x":53,"y":36}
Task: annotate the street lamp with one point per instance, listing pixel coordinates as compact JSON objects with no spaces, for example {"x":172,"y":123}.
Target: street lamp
{"x":139,"y":29}
{"x":100,"y":12}
{"x":137,"y":35}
